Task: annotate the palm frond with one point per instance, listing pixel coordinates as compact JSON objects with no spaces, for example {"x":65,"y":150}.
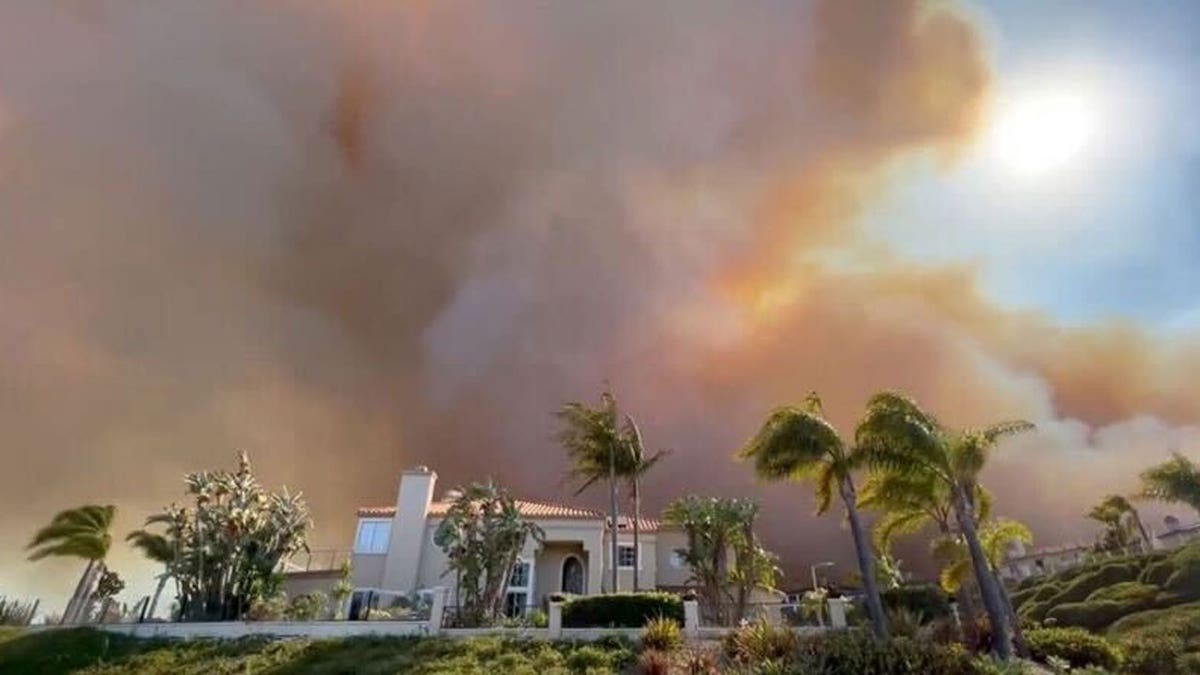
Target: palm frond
{"x":791,"y":444}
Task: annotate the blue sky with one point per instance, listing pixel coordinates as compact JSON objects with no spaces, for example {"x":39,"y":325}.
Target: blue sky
{"x":1114,"y":231}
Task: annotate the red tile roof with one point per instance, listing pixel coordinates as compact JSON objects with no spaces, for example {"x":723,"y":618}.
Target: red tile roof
{"x":530,"y":509}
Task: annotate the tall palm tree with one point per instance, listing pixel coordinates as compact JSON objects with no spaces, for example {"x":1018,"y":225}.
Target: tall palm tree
{"x":799,"y":444}
{"x":598,"y":451}
{"x":639,"y":463}
{"x":77,"y":533}
{"x":897,"y":436}
{"x":1176,"y":480}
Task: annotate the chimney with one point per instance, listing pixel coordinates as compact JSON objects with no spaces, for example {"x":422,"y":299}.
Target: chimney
{"x":408,"y":529}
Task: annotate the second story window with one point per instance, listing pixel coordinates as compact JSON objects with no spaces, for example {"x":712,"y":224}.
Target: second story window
{"x":372,"y":537}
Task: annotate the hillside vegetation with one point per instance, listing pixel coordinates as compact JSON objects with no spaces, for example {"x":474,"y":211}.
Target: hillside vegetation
{"x":1098,"y":594}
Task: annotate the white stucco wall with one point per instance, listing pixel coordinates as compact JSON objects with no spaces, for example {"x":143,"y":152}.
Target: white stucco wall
{"x":367,"y":570}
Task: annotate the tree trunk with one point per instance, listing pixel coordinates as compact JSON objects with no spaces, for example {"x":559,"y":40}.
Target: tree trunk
{"x":637,"y":546}
{"x":1147,"y":546}
{"x":612,"y":505}
{"x":1018,"y":633}
{"x":992,"y":602}
{"x":68,"y":615}
{"x":866,"y":564}
{"x":162,"y":581}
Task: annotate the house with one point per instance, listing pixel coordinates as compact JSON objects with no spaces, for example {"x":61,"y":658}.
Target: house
{"x":1176,"y":535}
{"x":1020,"y":564}
{"x":394,"y":554}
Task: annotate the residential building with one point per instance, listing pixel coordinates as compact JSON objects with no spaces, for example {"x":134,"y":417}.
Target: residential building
{"x":1176,"y":535}
{"x":394,"y":551}
{"x":1020,"y":564}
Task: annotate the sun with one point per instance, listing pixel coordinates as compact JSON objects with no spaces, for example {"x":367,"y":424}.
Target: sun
{"x":1042,"y":134}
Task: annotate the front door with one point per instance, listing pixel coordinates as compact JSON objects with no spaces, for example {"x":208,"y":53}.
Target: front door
{"x":572,"y":576}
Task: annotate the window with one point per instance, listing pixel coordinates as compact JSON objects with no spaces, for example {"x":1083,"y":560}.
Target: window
{"x":372,"y":536}
{"x":626,"y":556}
{"x":514,"y":604}
{"x":517,"y":597}
{"x":520,"y":575}
{"x":677,"y":561}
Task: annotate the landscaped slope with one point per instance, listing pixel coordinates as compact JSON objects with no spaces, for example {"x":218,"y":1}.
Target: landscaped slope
{"x":95,"y":653}
{"x":1097,"y":594}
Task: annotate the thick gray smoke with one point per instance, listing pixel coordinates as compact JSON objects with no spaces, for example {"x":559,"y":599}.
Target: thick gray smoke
{"x":351,"y":237}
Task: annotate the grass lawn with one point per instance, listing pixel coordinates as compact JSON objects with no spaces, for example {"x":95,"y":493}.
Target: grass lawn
{"x":95,"y":652}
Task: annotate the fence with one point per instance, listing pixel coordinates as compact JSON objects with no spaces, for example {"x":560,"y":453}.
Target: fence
{"x":792,"y":614}
{"x":440,"y":619}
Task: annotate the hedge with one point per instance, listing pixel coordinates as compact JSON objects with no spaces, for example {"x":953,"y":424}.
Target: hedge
{"x":1086,"y":584}
{"x":1126,"y":591}
{"x":1095,"y":615}
{"x":925,"y":600}
{"x":621,"y":610}
{"x":1077,"y":646}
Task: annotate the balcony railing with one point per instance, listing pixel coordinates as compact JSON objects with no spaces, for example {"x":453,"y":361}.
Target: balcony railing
{"x":317,"y":560}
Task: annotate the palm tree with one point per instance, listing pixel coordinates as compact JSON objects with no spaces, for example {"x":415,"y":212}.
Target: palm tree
{"x":896,"y":436}
{"x":799,"y":444}
{"x":910,"y":503}
{"x":1120,"y":520}
{"x":161,"y":550}
{"x":1176,"y":480}
{"x":597,"y":449}
{"x":636,"y":467}
{"x":78,"y":533}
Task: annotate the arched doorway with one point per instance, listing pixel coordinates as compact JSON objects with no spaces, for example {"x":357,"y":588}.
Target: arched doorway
{"x":572,"y":575}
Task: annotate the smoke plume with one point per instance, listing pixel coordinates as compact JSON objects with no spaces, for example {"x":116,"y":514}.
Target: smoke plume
{"x":352,"y":237}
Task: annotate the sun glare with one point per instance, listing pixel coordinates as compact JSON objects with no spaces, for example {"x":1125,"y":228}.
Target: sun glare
{"x":1037,"y":135}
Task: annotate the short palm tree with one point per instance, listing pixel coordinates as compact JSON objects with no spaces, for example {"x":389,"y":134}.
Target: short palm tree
{"x":598,"y":452}
{"x":1120,"y":520}
{"x":896,"y":436}
{"x":1176,"y":480}
{"x":638,"y":464}
{"x":797,"y":443}
{"x":77,"y":533}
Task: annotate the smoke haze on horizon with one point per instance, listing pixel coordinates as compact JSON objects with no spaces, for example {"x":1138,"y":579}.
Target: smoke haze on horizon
{"x":348,"y":238}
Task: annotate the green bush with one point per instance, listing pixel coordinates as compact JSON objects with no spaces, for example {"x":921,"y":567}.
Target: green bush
{"x":1034,"y":612}
{"x":856,"y":653}
{"x":1093,"y":615}
{"x":662,"y":634}
{"x":588,"y":658}
{"x":1153,"y":654}
{"x":1126,"y":591}
{"x":1040,"y":593}
{"x":1077,"y":646}
{"x":621,"y":610}
{"x":928,"y":601}
{"x":759,"y":642}
{"x":1087,"y":583}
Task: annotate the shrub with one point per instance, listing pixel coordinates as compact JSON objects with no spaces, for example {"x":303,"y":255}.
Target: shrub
{"x":654,"y":662}
{"x":588,"y":658}
{"x":1126,"y":591}
{"x":1090,"y":615}
{"x":662,"y":634}
{"x":759,"y":642}
{"x":857,"y":653}
{"x":1078,"y":647}
{"x":308,"y":607}
{"x":1034,"y":612}
{"x":925,"y":600}
{"x":698,"y":662}
{"x":1153,"y":654}
{"x":621,"y":610}
{"x":1085,"y":584}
